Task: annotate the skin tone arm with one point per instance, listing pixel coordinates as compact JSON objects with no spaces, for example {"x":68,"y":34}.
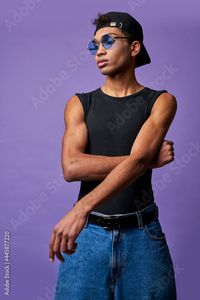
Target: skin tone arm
{"x":79,"y":166}
{"x":144,"y":148}
{"x":76,"y":164}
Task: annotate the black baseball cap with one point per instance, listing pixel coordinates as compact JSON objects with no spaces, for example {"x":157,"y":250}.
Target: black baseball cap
{"x":125,"y":21}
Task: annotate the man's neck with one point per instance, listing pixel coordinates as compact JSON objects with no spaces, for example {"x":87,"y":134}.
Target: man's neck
{"x":120,"y":86}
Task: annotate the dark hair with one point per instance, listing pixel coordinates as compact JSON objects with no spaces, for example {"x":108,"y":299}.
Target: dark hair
{"x":104,"y":18}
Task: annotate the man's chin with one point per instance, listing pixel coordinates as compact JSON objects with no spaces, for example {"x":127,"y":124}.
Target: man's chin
{"x":107,"y":72}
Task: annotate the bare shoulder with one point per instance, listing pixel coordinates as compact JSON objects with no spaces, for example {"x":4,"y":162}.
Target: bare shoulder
{"x":73,"y":103}
{"x":73,"y":109}
{"x":166,"y":102}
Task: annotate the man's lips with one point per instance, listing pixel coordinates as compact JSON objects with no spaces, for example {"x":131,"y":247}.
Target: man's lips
{"x":102,"y":62}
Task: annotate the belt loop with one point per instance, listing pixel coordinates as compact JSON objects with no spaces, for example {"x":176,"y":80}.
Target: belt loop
{"x":86,"y":223}
{"x":140,"y":221}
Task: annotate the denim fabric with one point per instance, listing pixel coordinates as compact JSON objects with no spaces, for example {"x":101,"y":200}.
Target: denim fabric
{"x":120,"y":264}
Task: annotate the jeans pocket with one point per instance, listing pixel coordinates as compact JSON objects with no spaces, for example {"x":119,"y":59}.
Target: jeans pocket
{"x":153,"y":230}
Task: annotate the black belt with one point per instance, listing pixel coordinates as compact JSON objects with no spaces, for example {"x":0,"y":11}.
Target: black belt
{"x":123,"y":221}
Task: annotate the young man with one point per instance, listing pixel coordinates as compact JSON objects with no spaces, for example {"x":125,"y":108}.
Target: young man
{"x":114,"y":137}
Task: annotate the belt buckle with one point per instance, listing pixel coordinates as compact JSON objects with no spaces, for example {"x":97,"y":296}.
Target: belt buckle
{"x":111,"y":225}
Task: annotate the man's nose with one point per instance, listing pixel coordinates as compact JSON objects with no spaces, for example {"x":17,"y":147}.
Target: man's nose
{"x":101,"y":49}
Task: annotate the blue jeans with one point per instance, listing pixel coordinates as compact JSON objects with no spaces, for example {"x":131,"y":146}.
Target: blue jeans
{"x":121,"y":264}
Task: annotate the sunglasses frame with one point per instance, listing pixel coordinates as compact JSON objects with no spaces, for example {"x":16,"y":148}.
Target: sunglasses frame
{"x":109,"y":35}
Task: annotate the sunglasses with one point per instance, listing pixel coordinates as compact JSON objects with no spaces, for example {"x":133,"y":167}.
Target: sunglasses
{"x":107,"y":42}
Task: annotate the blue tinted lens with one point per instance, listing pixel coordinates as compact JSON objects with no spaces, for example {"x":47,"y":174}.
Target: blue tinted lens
{"x":93,"y":47}
{"x":107,"y":41}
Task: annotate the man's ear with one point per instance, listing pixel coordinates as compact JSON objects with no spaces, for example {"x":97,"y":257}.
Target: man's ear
{"x":135,"y":48}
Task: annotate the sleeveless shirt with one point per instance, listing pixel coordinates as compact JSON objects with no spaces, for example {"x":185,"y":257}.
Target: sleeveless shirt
{"x":113,"y":124}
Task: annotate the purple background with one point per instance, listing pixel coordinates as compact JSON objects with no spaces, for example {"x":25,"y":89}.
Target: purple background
{"x":43,"y":62}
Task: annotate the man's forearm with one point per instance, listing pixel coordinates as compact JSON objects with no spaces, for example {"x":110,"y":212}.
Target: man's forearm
{"x":86,"y":167}
{"x":117,"y":180}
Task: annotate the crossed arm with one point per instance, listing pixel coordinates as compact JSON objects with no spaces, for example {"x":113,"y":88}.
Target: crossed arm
{"x":79,"y":166}
{"x":145,"y":146}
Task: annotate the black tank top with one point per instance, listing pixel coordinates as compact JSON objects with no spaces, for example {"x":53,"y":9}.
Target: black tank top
{"x":113,"y":124}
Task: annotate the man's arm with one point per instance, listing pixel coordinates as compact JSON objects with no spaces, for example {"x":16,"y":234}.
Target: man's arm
{"x":79,"y":166}
{"x":76,"y":164}
{"x":144,"y":148}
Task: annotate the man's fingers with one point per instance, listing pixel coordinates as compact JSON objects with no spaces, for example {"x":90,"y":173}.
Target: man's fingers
{"x":65,"y":248}
{"x":59,"y":256}
{"x":51,"y":253}
{"x":56,"y":248}
{"x":51,"y":243}
{"x":169,"y":142}
{"x":60,"y":243}
{"x":170,"y":145}
{"x":71,"y":245}
{"x":63,"y":245}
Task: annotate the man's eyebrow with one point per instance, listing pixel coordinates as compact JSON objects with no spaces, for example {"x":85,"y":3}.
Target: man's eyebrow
{"x":105,"y":34}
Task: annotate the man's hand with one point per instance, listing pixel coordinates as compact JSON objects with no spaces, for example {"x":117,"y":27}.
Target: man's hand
{"x":66,"y":231}
{"x":164,"y":156}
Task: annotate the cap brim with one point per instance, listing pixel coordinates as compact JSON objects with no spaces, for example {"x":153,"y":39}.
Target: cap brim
{"x":143,"y":57}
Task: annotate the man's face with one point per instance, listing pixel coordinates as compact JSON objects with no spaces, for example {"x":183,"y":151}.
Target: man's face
{"x":119,"y":57}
